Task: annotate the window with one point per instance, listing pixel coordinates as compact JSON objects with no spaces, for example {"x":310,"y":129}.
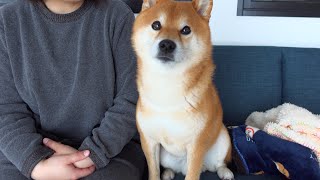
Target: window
{"x":289,"y":8}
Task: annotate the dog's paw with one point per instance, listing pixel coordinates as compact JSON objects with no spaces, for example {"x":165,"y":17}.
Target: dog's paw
{"x":168,"y":174}
{"x":225,"y":174}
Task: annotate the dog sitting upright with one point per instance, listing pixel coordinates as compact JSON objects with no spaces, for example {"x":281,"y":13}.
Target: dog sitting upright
{"x":179,"y":115}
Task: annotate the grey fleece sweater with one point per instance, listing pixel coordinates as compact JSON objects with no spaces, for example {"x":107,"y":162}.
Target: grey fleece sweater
{"x":69,"y":77}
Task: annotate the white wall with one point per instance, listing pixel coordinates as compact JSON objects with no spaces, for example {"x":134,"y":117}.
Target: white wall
{"x":229,"y":29}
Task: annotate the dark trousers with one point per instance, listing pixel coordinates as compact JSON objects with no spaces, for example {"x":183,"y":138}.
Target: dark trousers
{"x":128,"y":165}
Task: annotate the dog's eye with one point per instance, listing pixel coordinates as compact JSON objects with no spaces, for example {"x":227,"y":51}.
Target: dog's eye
{"x":156,"y":25}
{"x":186,"y":30}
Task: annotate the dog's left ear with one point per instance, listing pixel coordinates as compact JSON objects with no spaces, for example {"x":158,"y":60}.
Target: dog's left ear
{"x":149,"y":3}
{"x":203,"y":8}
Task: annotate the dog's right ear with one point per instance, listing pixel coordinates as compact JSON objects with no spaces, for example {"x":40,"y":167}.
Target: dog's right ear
{"x":203,"y":8}
{"x":148,"y":4}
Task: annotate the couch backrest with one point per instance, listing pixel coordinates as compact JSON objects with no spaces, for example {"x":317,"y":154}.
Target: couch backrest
{"x":259,"y":78}
{"x":301,"y":77}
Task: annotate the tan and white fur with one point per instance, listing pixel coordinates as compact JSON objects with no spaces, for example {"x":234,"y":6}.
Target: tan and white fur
{"x":179,"y":115}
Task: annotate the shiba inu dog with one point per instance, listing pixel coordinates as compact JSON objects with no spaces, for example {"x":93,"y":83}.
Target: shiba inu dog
{"x":179,"y":115}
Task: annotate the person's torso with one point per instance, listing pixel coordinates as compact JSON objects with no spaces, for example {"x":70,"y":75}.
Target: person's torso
{"x":63,"y":65}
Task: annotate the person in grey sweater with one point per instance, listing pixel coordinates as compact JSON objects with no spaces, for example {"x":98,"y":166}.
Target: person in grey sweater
{"x":67,"y":73}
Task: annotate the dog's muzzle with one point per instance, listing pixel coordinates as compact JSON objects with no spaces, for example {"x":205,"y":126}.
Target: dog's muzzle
{"x":166,"y":50}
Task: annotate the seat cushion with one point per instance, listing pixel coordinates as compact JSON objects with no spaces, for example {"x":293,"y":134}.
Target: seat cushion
{"x":301,"y":78}
{"x":248,"y":79}
{"x":213,"y":176}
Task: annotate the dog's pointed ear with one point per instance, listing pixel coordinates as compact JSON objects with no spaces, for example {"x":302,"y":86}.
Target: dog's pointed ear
{"x":148,"y":4}
{"x":203,"y":8}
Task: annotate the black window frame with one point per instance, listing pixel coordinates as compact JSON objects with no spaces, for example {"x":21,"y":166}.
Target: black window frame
{"x":298,"y":8}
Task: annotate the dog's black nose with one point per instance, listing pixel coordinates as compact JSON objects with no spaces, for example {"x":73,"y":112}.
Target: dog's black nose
{"x":167,"y":46}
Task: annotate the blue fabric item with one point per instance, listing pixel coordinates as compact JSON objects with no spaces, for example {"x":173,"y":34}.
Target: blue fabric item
{"x":246,"y":150}
{"x":301,"y":78}
{"x":260,"y":153}
{"x":248,"y":79}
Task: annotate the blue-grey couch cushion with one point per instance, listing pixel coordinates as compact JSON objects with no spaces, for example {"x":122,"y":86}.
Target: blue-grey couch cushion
{"x":301,"y":78}
{"x":248,"y":79}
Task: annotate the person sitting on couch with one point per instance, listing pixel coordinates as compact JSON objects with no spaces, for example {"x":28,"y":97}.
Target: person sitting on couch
{"x":67,"y":75}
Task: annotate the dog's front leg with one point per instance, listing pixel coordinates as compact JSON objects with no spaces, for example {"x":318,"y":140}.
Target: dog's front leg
{"x":151,"y":149}
{"x":195,"y":155}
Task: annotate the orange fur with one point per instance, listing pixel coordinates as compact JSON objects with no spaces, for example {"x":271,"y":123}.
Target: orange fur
{"x":200,"y":94}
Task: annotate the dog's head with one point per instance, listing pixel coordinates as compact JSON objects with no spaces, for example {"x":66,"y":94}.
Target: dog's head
{"x":168,"y":33}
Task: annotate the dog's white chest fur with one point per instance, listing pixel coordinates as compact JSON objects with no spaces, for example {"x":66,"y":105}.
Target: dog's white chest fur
{"x":174,"y":132}
{"x":169,"y":120}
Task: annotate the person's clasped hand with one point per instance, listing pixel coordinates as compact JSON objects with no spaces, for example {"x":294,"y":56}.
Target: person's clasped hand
{"x":66,"y":163}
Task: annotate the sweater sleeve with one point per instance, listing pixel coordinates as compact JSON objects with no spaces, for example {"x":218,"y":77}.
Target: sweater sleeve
{"x":118,"y":125}
{"x":19,"y":140}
